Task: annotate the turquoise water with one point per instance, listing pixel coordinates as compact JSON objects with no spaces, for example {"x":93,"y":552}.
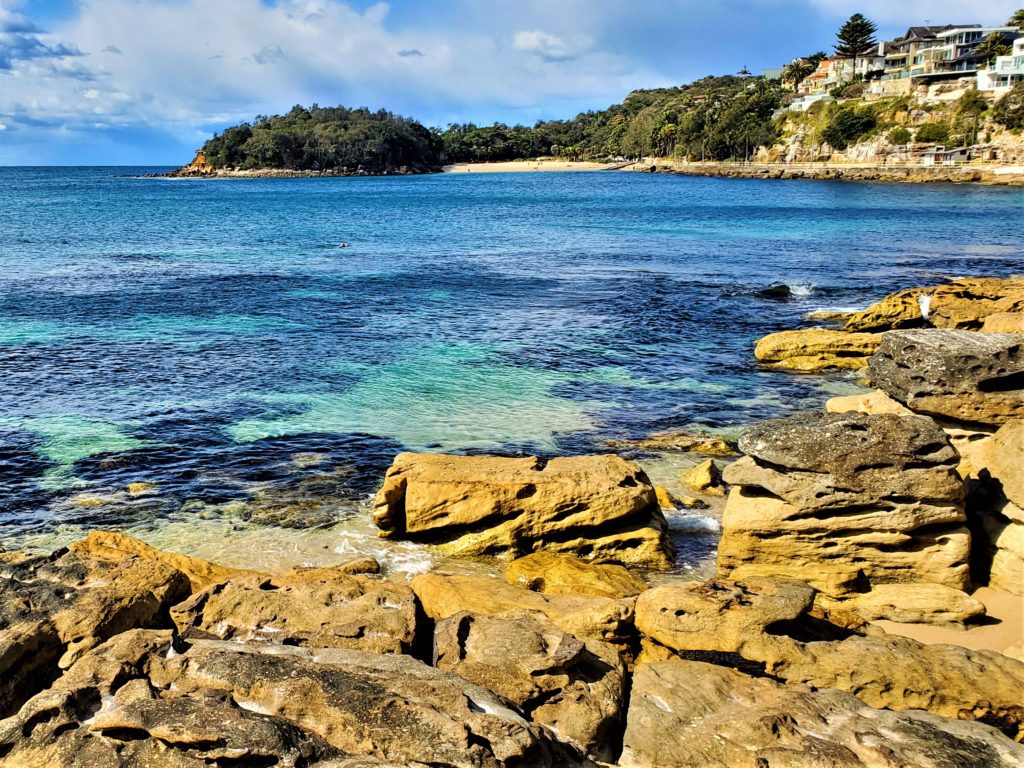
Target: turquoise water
{"x":210,"y":339}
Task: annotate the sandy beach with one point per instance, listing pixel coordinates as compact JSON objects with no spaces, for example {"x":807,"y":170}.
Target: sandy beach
{"x":524,"y":166}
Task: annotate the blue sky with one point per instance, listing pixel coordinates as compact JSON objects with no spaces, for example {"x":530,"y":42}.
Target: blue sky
{"x":147,"y":81}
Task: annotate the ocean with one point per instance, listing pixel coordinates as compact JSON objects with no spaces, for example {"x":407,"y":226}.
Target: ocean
{"x":199,"y":363}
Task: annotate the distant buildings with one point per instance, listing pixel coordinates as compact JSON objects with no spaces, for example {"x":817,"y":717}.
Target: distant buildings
{"x":923,"y":56}
{"x":1006,"y":72}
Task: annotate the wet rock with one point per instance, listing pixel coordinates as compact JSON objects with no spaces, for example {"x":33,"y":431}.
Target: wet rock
{"x":576,"y":688}
{"x":686,"y":713}
{"x":584,"y":616}
{"x":554,"y":574}
{"x":766,"y":626}
{"x":960,"y":375}
{"x":845,"y":502}
{"x":599,"y":507}
{"x":54,"y":609}
{"x":816,"y":349}
{"x":706,"y":478}
{"x":897,"y":310}
{"x":665,"y":498}
{"x":113,"y":546}
{"x":680,"y":440}
{"x":389,"y":706}
{"x":313,"y":607}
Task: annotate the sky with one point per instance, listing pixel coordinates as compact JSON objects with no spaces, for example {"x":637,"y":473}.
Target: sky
{"x":145,"y":82}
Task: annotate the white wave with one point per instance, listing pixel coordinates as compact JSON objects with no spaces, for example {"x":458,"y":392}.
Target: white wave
{"x":802,"y":289}
{"x":689,"y":523}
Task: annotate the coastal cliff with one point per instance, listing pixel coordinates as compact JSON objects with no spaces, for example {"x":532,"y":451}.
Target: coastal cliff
{"x":567,"y":638}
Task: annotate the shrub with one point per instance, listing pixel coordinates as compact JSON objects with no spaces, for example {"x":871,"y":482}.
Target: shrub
{"x":847,"y":125}
{"x":899,"y":135}
{"x":933,"y":133}
{"x":1009,"y":110}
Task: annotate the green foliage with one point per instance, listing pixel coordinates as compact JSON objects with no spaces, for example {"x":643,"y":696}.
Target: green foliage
{"x":1009,"y":110}
{"x":933,"y":133}
{"x":900,"y":135}
{"x":797,"y":71}
{"x":848,"y":124}
{"x":324,"y":139}
{"x":852,"y":90}
{"x":716,"y":118}
{"x":1017,"y":20}
{"x":993,"y":45}
{"x":856,"y":36}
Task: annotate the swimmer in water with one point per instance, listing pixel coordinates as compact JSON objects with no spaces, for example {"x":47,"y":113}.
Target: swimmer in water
{"x":343,"y":245}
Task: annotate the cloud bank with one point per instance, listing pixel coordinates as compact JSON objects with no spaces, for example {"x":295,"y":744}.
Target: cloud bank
{"x":148,"y":80}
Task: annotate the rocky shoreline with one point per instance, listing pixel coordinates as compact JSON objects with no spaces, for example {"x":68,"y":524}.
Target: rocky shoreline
{"x":824,"y":172}
{"x":894,"y":505}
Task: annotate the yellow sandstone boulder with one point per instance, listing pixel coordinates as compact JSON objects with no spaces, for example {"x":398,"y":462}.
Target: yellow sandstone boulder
{"x":816,"y":349}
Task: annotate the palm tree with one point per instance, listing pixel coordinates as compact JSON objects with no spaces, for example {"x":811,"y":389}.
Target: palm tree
{"x":992,"y":46}
{"x":1017,"y":20}
{"x":797,"y":71}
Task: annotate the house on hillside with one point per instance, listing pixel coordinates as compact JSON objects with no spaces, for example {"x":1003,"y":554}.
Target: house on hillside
{"x":1005,"y":73}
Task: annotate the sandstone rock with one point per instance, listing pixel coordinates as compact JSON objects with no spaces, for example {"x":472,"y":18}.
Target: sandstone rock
{"x":767,"y":623}
{"x":897,"y":310}
{"x":678,"y":440}
{"x":1003,"y":459}
{"x":816,"y":349}
{"x":829,"y":316}
{"x":721,"y":616}
{"x":602,"y":507}
{"x":665,"y":499}
{"x":113,"y":546}
{"x":1004,"y":322}
{"x":967,"y":302}
{"x":389,"y":706}
{"x":874,"y":402}
{"x":574,"y":688}
{"x":54,"y":609}
{"x":960,"y":375}
{"x":1015,"y":651}
{"x":1001,"y":550}
{"x":587,"y":617}
{"x":706,"y":478}
{"x":685,"y":713}
{"x":314,"y":607}
{"x":917,"y":604}
{"x":107,"y":711}
{"x":554,"y":574}
{"x":846,"y":501}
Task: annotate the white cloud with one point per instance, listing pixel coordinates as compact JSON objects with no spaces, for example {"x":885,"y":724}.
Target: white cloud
{"x":190,"y":63}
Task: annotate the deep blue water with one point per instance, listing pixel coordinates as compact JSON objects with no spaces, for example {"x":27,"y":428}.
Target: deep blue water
{"x":210,"y":338}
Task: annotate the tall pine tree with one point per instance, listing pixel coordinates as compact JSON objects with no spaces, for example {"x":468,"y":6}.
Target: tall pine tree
{"x":855,"y":37}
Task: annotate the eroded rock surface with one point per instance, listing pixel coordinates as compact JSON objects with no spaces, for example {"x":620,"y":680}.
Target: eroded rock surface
{"x":584,"y":616}
{"x":687,"y":713}
{"x":314,"y":607}
{"x":959,"y":375}
{"x":553,"y":574}
{"x":846,"y":501}
{"x":576,"y":688}
{"x":594,"y":506}
{"x":816,"y":349}
{"x":768,"y":622}
{"x":53,"y":609}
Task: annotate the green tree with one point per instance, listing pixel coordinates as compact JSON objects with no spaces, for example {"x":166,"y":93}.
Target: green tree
{"x":847,"y":125}
{"x":899,"y":136}
{"x":992,"y":46}
{"x":1017,"y":20}
{"x":933,"y":133}
{"x":797,"y":71}
{"x":1009,"y":110}
{"x":855,"y":37}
